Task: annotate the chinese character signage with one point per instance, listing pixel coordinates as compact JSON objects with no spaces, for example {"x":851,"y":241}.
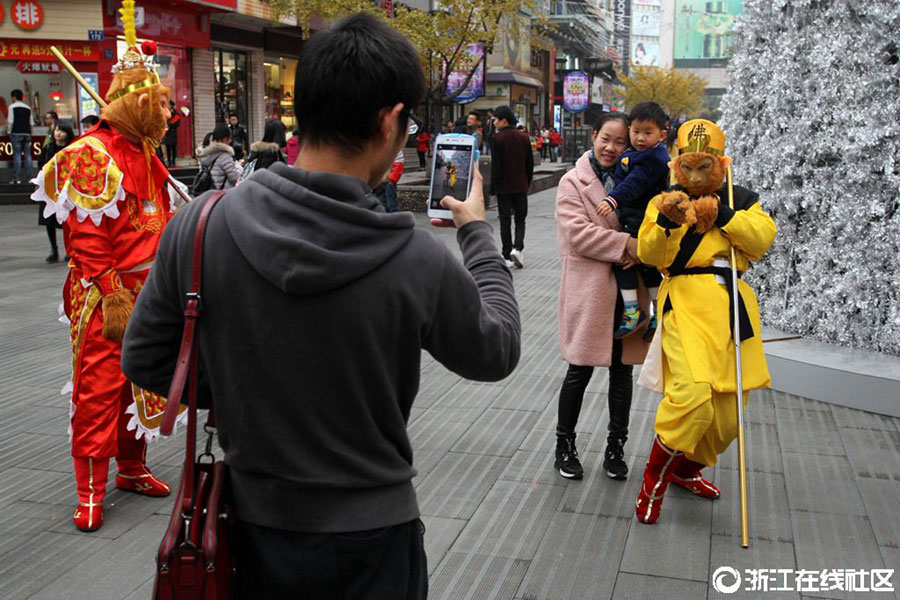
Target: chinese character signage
{"x":621,"y":28}
{"x":576,"y":91}
{"x":45,"y":67}
{"x":702,"y":34}
{"x":40,"y":50}
{"x":27,"y":14}
{"x":475,"y":89}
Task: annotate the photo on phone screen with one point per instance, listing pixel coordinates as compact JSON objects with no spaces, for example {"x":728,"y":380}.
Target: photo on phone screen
{"x":452,"y":165}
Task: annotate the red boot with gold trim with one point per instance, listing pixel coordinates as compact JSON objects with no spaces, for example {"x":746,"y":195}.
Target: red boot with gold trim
{"x":91,"y":475}
{"x":662,"y":464}
{"x":689,"y":477}
{"x":133,"y":474}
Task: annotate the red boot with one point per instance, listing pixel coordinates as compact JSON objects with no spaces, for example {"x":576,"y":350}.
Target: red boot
{"x":657,"y":474}
{"x":91,"y":475}
{"x":688,"y":476}
{"x":133,"y":474}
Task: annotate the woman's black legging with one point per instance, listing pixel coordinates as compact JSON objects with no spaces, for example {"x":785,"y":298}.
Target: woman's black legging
{"x":421,"y":159}
{"x":51,"y":233}
{"x":571,"y":396}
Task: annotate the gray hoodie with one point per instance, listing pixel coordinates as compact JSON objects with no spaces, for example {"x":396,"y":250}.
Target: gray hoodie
{"x":317,"y":305}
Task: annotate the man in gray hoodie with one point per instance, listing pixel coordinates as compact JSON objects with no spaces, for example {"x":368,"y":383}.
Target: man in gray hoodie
{"x":316,"y":307}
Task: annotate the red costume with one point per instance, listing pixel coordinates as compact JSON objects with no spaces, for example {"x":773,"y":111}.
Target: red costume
{"x":113,"y":209}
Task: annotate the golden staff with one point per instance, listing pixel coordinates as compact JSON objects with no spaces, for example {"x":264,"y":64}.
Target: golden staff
{"x":739,"y":381}
{"x":102,"y":103}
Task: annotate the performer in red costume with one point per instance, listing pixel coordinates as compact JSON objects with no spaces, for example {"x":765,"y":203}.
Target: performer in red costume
{"x":109,"y":191}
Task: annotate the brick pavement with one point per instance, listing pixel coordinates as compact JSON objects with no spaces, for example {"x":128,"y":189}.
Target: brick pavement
{"x":824,"y":480}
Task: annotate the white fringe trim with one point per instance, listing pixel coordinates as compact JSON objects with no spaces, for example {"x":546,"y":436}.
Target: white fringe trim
{"x":149,"y":435}
{"x":63,"y":206}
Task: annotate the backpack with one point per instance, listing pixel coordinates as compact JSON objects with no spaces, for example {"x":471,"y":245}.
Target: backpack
{"x":203,"y":181}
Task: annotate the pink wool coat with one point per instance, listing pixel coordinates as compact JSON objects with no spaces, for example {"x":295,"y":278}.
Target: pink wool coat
{"x":588,"y":245}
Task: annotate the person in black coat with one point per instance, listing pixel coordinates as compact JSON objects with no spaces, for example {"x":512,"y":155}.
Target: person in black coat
{"x":170,"y":139}
{"x":62,"y":137}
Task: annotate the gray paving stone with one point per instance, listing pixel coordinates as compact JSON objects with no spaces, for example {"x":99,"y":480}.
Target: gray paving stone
{"x":824,"y":542}
{"x":649,"y":587}
{"x":809,"y":431}
{"x":763,"y":449}
{"x":22,"y":521}
{"x":792,"y":402}
{"x":882,"y":501}
{"x":101,"y":574}
{"x":726,"y":551}
{"x":440,"y":533}
{"x":676,"y":546}
{"x":534,"y":467}
{"x":57,"y":552}
{"x":819,"y":483}
{"x":433,"y":386}
{"x":457,"y":484}
{"x":577,"y":559}
{"x":599,"y":495}
{"x":18,"y":484}
{"x":527,"y":392}
{"x":767,"y":508}
{"x":511,"y":520}
{"x":431,"y":443}
{"x":497,"y":432}
{"x":860,"y":419}
{"x":35,"y":419}
{"x":143,"y":592}
{"x":873,"y":453}
{"x":761,"y":407}
{"x":476,"y":577}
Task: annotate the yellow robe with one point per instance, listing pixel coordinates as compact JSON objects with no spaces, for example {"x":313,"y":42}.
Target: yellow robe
{"x":697,"y":413}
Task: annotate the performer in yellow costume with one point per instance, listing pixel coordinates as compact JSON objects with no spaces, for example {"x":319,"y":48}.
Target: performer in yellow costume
{"x":687,"y":234}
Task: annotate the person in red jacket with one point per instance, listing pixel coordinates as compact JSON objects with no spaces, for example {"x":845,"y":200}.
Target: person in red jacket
{"x":422,"y":146}
{"x":108,"y":190}
{"x":387,"y":190}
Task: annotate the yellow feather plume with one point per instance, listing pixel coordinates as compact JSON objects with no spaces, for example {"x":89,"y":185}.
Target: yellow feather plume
{"x":127,"y":12}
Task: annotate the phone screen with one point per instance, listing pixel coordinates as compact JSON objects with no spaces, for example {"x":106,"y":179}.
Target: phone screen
{"x":452,"y":164}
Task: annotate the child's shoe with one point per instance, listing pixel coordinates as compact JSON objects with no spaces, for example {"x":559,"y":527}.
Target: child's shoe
{"x":631,"y":320}
{"x":651,"y":329}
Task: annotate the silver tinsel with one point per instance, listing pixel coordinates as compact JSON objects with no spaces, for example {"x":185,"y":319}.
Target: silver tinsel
{"x":813,"y":124}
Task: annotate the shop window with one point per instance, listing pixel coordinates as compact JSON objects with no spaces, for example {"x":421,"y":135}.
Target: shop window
{"x":279,"y":90}
{"x":231,"y":85}
{"x":175,"y":74}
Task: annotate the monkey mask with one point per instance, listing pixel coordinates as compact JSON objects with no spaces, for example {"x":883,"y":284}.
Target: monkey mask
{"x":700,"y":170}
{"x":138,"y":103}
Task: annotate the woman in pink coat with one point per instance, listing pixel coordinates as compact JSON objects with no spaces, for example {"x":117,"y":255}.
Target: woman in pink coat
{"x":589,"y":302}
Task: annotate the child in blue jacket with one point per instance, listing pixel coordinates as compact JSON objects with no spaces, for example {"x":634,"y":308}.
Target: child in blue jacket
{"x":641,"y":173}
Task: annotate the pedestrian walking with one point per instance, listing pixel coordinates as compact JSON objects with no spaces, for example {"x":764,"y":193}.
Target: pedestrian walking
{"x":589,"y":246}
{"x":317,"y":306}
{"x":19,"y":119}
{"x":51,"y":120}
{"x":62,"y":137}
{"x":240,"y":141}
{"x":555,"y":143}
{"x":218,"y":157}
{"x":423,"y":146}
{"x":512,"y":167}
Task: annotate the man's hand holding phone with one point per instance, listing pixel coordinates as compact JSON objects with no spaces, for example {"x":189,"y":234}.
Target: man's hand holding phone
{"x":472,"y":209}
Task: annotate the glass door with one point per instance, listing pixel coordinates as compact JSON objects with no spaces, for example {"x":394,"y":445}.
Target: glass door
{"x":231,"y":85}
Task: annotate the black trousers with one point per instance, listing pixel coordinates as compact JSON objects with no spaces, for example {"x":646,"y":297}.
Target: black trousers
{"x":171,"y":152}
{"x":421,"y":159}
{"x":380,"y":564}
{"x":51,"y":234}
{"x":507,"y":206}
{"x":627,"y":279}
{"x":571,"y":396}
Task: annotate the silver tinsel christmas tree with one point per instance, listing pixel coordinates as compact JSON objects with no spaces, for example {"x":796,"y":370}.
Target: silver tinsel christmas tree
{"x":813,"y":125}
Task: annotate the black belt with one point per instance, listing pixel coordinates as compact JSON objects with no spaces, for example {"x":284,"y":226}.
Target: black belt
{"x":725,"y":273}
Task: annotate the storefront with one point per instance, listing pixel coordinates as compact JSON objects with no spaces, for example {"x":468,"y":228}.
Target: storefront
{"x":27,"y":64}
{"x":279,"y":90}
{"x":232,"y":88}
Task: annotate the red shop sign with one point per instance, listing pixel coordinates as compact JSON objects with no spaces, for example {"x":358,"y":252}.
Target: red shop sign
{"x":27,"y":14}
{"x":46,"y":67}
{"x":40,"y":50}
{"x":2,"y":14}
{"x":225,"y":4}
{"x":180,"y":26}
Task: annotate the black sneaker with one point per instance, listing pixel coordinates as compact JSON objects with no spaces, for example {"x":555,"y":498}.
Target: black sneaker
{"x":567,"y":462}
{"x":613,"y":460}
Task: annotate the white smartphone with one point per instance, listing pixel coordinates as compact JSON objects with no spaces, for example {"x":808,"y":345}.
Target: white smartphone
{"x":451,"y":171}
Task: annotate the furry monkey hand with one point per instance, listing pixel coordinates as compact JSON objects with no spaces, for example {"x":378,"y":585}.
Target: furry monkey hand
{"x":116,"y":312}
{"x":677,"y":207}
{"x":706,"y":209}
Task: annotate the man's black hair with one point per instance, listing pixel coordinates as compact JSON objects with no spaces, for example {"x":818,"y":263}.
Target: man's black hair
{"x":347,"y":74}
{"x":232,"y":114}
{"x":220,"y":132}
{"x":649,"y":111}
{"x":90,"y":120}
{"x":505,"y":112}
{"x":17,"y":94}
{"x":53,"y":114}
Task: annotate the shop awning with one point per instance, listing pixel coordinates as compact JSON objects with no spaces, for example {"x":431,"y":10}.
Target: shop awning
{"x":501,"y":75}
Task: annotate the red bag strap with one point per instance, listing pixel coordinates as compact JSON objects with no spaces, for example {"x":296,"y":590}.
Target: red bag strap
{"x":186,"y":365}
{"x":191,"y":313}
